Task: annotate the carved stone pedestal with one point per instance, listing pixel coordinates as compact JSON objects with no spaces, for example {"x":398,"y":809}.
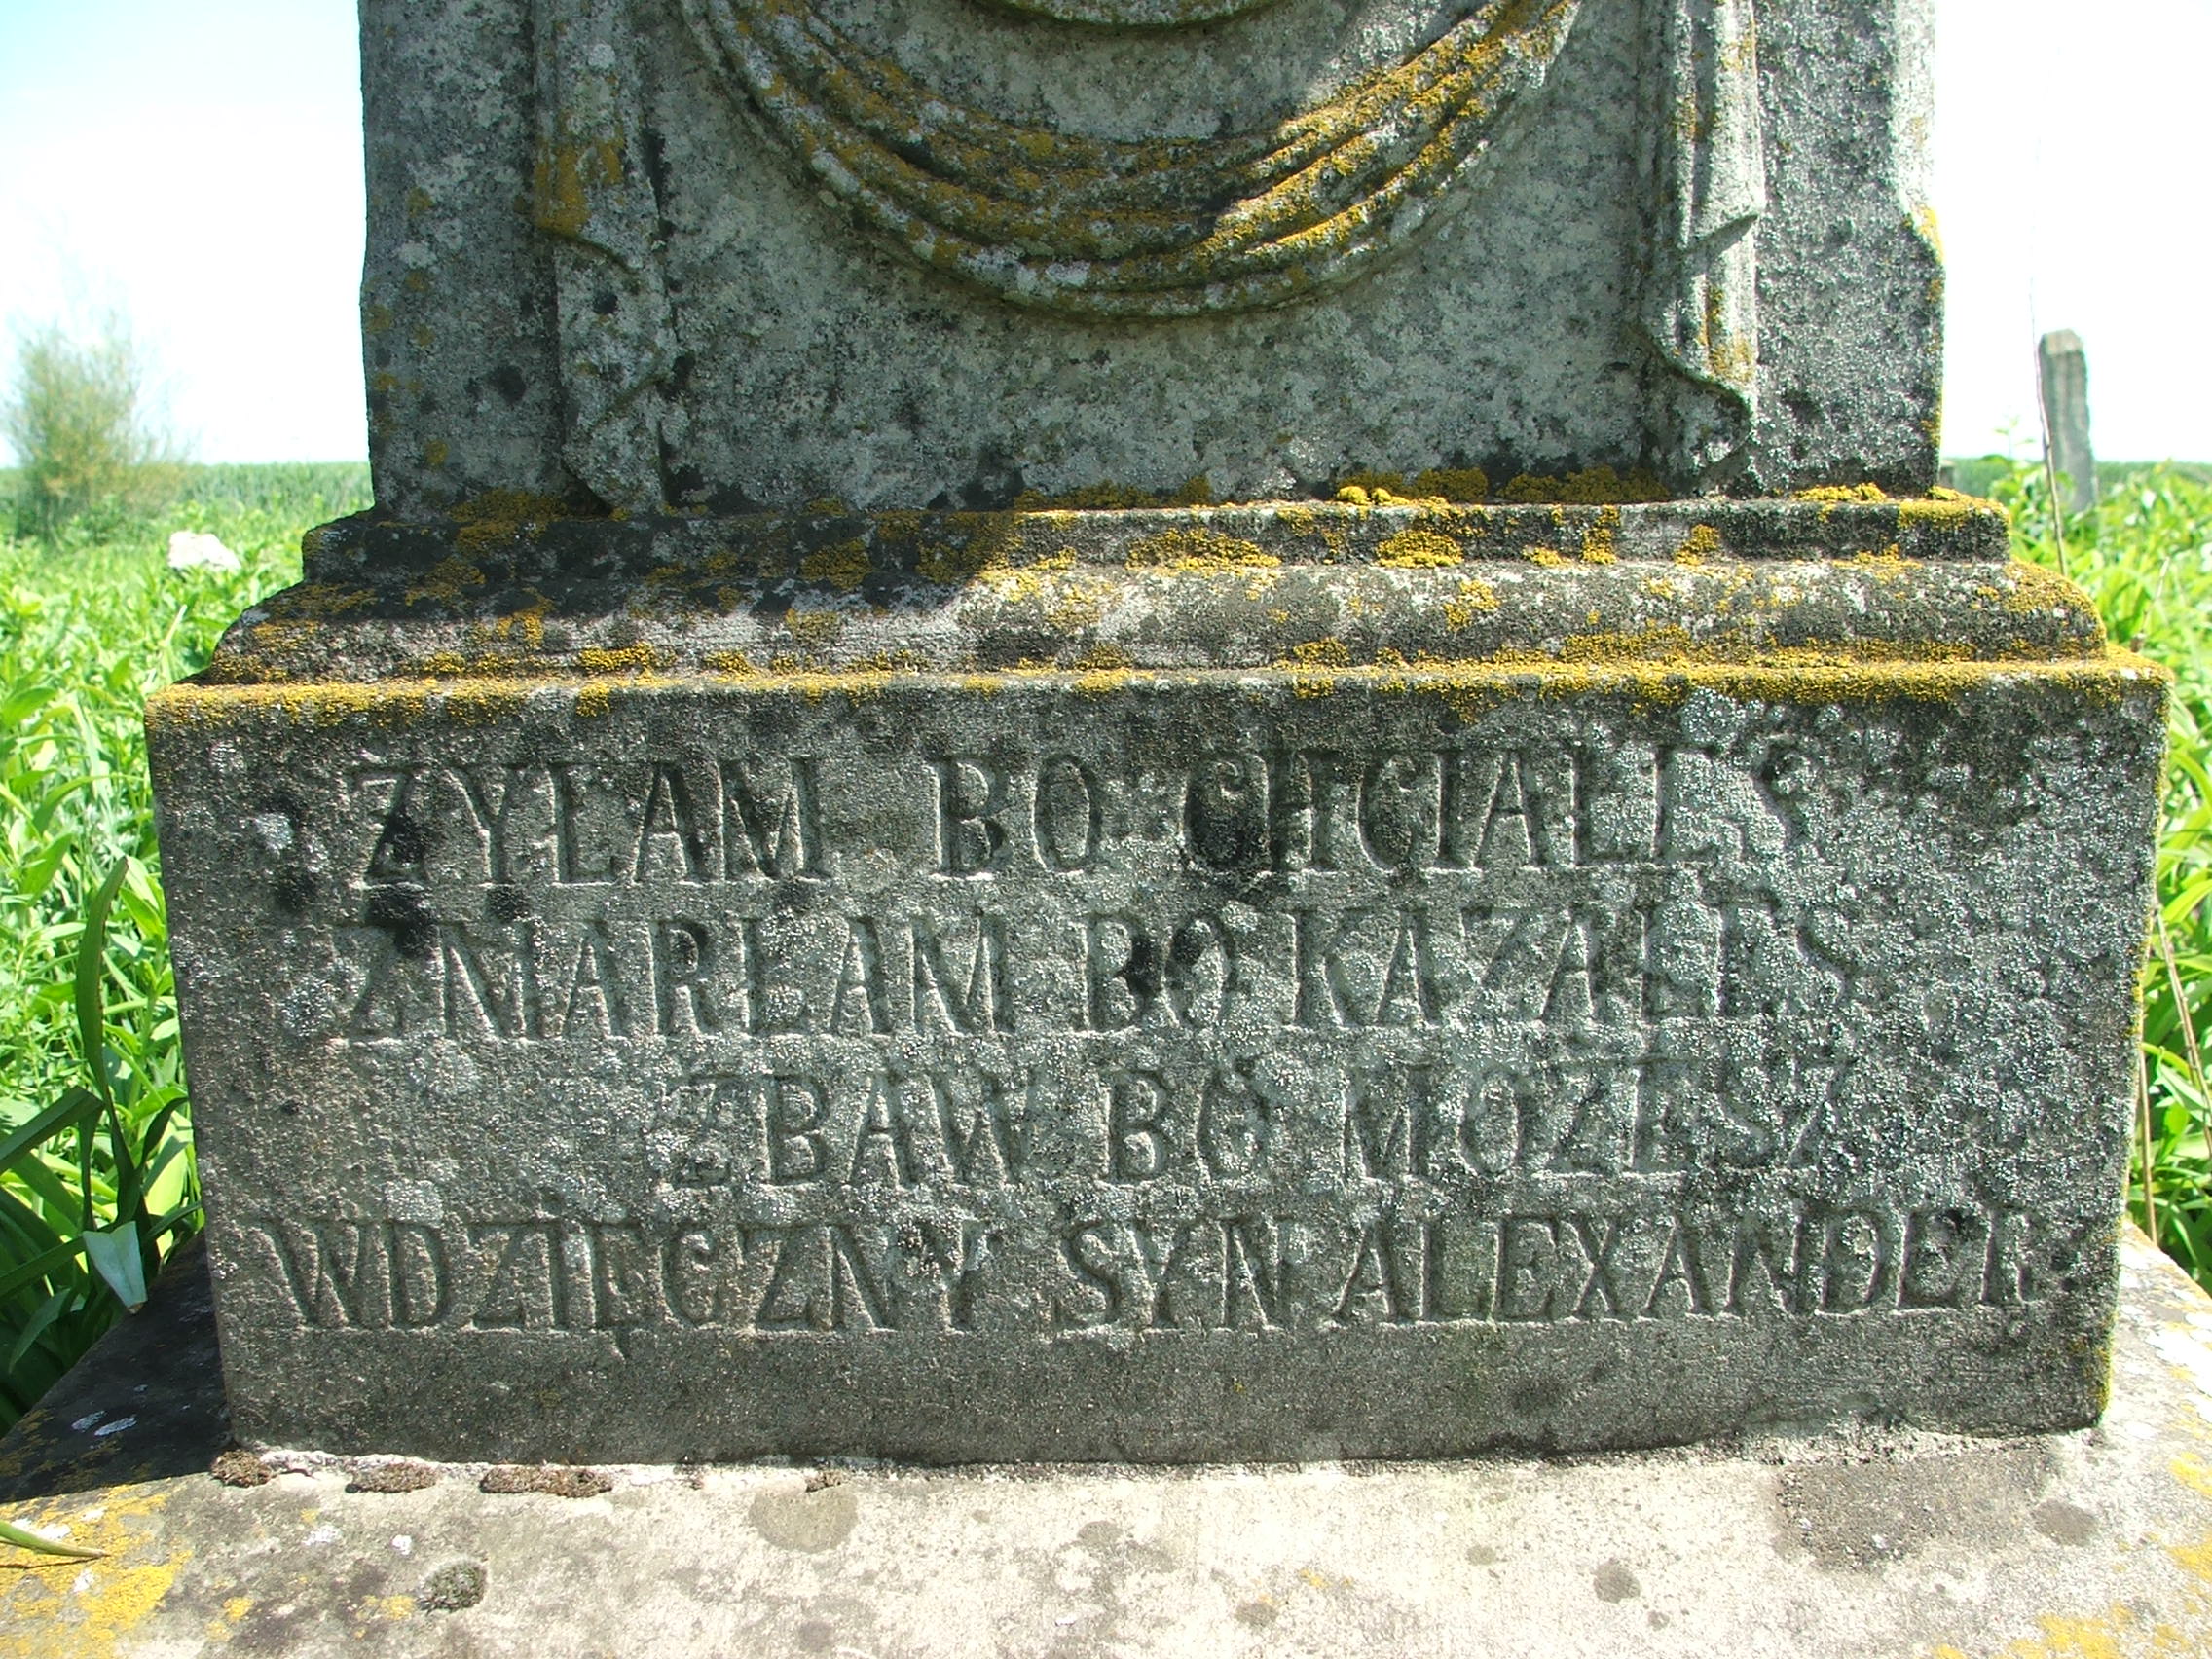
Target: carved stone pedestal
{"x":1275,"y":982}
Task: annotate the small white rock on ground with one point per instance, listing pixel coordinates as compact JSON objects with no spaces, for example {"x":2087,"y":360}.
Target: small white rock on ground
{"x":196,"y":550}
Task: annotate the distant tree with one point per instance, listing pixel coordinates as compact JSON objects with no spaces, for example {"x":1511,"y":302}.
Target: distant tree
{"x":87,"y":441}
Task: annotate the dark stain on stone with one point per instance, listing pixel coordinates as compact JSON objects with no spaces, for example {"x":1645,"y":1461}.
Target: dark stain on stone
{"x":1864,"y":1516}
{"x":815,"y":1636}
{"x":404,"y":914}
{"x":2063,"y":1523}
{"x":1534,"y":1399}
{"x":294,"y":891}
{"x":810,"y":1521}
{"x":507,"y":903}
{"x":1614,"y":1582}
{"x":1481,"y":1555}
{"x":453,"y":1587}
{"x":509,"y":383}
{"x":1257,"y":1615}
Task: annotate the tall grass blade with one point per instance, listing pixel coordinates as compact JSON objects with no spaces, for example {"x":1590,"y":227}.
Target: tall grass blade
{"x":24,"y":1539}
{"x":75,"y":1106}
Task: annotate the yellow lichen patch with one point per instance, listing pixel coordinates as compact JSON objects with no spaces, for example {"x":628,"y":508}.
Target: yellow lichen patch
{"x":728,"y":662}
{"x":1361,"y":488}
{"x":1465,"y":485}
{"x":1102,"y":681}
{"x":1091,"y":498}
{"x":498,"y":517}
{"x":1703,"y":542}
{"x":592,"y":701}
{"x":827,"y":505}
{"x":317,"y":603}
{"x":89,"y":1610}
{"x":1943,"y":507}
{"x":1418,"y":550}
{"x":564,"y":178}
{"x":1838,"y":493}
{"x":446,"y":581}
{"x":1197,"y":550}
{"x":525,"y":626}
{"x":438,"y":451}
{"x":1475,"y":597}
{"x":1320,"y":653}
{"x":1598,"y":537}
{"x":623,"y":659}
{"x":1592,"y":486}
{"x":845,"y":567}
{"x":1076,"y":606}
{"x":1195,"y":492}
{"x":2194,"y":1473}
{"x":1023,"y":584}
{"x":481,"y":702}
{"x":277,"y":638}
{"x":1888,"y":566}
{"x":815,"y":630}
{"x":2193,"y":1559}
{"x":1551,"y":558}
{"x":982,"y":541}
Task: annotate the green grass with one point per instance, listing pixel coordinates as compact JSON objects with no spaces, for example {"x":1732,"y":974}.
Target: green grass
{"x":2145,"y":554}
{"x":88,"y":1022}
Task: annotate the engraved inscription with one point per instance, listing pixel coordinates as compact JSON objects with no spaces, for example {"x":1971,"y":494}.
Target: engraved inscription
{"x":1055,"y":1039}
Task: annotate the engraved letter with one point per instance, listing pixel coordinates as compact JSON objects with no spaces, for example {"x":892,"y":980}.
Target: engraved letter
{"x":1066,"y":814}
{"x":970,"y":838}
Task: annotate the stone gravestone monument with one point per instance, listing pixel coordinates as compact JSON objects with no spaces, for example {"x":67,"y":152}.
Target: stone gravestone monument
{"x":1155,"y":729}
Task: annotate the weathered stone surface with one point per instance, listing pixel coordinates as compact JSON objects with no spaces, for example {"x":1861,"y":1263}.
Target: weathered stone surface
{"x":799,"y":887}
{"x":1880,"y":1545}
{"x":1611,"y":1039}
{"x":752,"y":253}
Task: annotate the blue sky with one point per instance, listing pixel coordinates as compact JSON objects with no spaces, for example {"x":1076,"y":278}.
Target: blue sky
{"x":198,"y":166}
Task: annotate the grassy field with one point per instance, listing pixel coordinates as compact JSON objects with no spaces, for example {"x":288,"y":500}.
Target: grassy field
{"x":88,"y":1026}
{"x":2145,"y":554}
{"x":97,"y":1181}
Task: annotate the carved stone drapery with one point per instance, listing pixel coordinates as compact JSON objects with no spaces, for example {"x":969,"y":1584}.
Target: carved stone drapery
{"x":1168,"y":228}
{"x":1708,"y":167}
{"x":1093,"y":228}
{"x":593,"y":197}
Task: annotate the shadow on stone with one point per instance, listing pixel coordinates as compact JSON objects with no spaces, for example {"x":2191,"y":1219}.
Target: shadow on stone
{"x":146,"y":1403}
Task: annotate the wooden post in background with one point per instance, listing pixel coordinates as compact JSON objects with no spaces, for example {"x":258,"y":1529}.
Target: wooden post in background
{"x":2064,"y":368}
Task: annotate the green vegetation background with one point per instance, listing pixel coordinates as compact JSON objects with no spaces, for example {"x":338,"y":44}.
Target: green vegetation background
{"x":94,"y":1123}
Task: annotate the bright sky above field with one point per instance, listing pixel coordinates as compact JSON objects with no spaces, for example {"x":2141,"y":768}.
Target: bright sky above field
{"x":197,"y":168}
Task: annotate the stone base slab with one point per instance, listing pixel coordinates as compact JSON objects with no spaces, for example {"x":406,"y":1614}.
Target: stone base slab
{"x":2097,"y":1542}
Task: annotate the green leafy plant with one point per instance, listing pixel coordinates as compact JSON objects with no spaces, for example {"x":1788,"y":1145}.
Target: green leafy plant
{"x":2144,"y":555}
{"x":97,"y":1181}
{"x":78,"y":417}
